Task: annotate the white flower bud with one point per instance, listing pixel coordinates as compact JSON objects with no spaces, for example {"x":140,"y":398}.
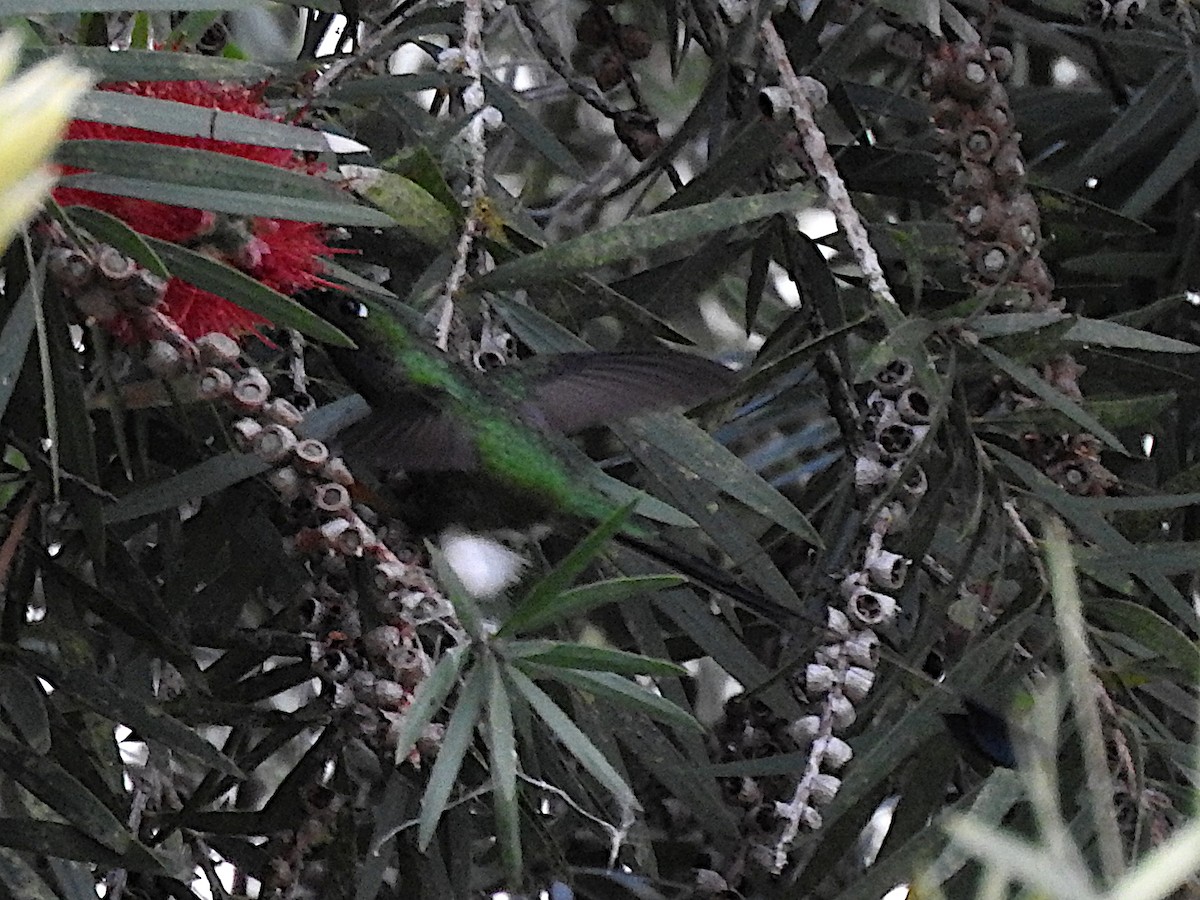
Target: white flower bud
{"x":834,"y":752}
{"x":837,"y":625}
{"x":818,"y":679}
{"x":863,"y":649}
{"x":473,"y":97}
{"x":857,"y":683}
{"x":491,"y":118}
{"x":842,"y":710}
{"x":804,"y":729}
{"x":823,"y":788}
{"x":828,"y":654}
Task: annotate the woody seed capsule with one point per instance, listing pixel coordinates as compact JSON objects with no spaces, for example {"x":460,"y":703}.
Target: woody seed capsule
{"x":217,"y":349}
{"x":214,"y":383}
{"x":274,"y":443}
{"x":163,"y":360}
{"x":311,"y":455}
{"x":251,"y":391}
{"x":331,"y":498}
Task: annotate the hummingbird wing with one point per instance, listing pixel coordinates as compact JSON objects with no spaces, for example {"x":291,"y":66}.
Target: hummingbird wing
{"x":565,"y":392}
{"x":413,"y":435}
{"x":569,"y":392}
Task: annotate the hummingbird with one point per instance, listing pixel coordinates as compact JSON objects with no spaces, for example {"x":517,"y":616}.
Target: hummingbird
{"x":489,"y":446}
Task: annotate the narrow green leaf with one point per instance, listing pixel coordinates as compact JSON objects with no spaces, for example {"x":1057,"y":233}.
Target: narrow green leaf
{"x":1140,"y":503}
{"x":200,"y":480}
{"x":1170,"y":558}
{"x":530,"y":129}
{"x":111,"y":230}
{"x":562,"y":654}
{"x":1112,"y":334}
{"x":1003,"y":324}
{"x":194,"y":167}
{"x":1087,"y":517}
{"x":238,"y":287}
{"x":1175,"y":164}
{"x":186,"y":120}
{"x":1131,"y":412}
{"x":63,"y":793}
{"x":727,"y":648}
{"x":77,"y":447}
{"x":457,"y":740}
{"x":1062,"y":207}
{"x":14,"y":340}
{"x":1084,"y":331}
{"x":581,"y":600}
{"x":428,"y":699}
{"x":22,"y":880}
{"x":502,"y":752}
{"x":228,"y":200}
{"x":1056,"y":399}
{"x":146,"y":717}
{"x":619,"y":691}
{"x":695,"y":451}
{"x":644,"y":505}
{"x":1148,"y":628}
{"x":61,"y":841}
{"x":575,"y":741}
{"x":544,"y":596}
{"x":47,"y":7}
{"x":24,"y":701}
{"x":649,"y":748}
{"x":1117,"y":264}
{"x":409,"y":206}
{"x":636,"y":237}
{"x":355,"y":283}
{"x":152,"y":65}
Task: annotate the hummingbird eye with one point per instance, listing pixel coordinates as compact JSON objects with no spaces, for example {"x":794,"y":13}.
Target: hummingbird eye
{"x":351,"y":308}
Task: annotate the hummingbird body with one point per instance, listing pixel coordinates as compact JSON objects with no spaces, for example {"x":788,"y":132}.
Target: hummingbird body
{"x":504,"y":427}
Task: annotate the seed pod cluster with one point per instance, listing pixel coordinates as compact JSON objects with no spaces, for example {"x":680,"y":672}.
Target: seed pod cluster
{"x":843,"y":668}
{"x":110,"y":287}
{"x":1113,"y":14}
{"x":610,"y":45}
{"x":989,"y":201}
{"x":605,"y":49}
{"x":981,"y":164}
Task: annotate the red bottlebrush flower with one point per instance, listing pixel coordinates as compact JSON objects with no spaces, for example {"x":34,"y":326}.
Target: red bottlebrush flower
{"x":281,"y":254}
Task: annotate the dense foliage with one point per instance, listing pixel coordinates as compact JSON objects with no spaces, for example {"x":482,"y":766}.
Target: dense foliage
{"x":951,"y":250}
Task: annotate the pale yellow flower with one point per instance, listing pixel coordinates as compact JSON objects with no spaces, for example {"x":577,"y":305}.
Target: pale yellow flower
{"x":35,"y":109}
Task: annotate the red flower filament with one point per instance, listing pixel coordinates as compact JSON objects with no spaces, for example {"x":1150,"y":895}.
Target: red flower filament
{"x":281,"y":254}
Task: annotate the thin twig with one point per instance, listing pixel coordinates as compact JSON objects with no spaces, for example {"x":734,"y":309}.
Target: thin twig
{"x":474,"y":102}
{"x":799,"y":92}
